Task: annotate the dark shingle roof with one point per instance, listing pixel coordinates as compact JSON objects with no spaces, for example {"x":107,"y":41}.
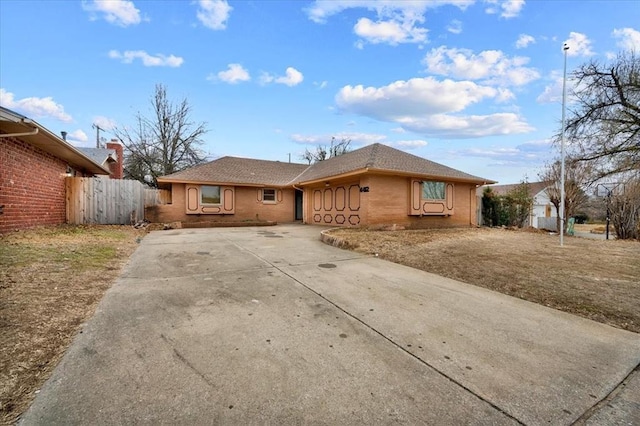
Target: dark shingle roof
{"x":375,"y":157}
{"x":239,"y":171}
{"x":378,"y":157}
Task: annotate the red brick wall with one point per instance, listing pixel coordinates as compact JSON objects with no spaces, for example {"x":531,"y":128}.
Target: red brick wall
{"x":31,"y":186}
{"x":117,"y":168}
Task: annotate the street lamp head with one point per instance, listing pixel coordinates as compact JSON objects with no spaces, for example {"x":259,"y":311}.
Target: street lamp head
{"x":565,"y":46}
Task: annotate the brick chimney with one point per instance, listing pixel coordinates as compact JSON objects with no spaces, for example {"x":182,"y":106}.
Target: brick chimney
{"x":117,"y":167}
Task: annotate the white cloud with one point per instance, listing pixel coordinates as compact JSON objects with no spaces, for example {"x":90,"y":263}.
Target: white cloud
{"x":398,"y":130}
{"x":415,"y":96}
{"x":506,"y":8}
{"x":490,"y":65}
{"x":34,"y":107}
{"x":579,"y":45}
{"x":530,"y":154}
{"x":321,"y":84}
{"x":104,"y":123}
{"x":553,"y":90}
{"x":410,"y":144}
{"x":425,"y":105}
{"x":323,"y":9}
{"x":524,"y":40}
{"x":214,"y":14}
{"x":628,"y":38}
{"x":396,"y":21}
{"x":390,"y":31}
{"x":118,"y":12}
{"x":455,"y":27}
{"x":235,"y":73}
{"x":159,"y":60}
{"x":511,"y":8}
{"x":357,"y":139}
{"x":292,"y":77}
{"x":78,"y":137}
{"x":469,"y":126}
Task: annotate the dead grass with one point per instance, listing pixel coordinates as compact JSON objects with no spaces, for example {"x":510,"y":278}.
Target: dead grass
{"x":51,"y":280}
{"x":595,"y":279}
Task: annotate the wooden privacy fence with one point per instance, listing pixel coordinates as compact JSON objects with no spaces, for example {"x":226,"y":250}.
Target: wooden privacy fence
{"x":104,"y":201}
{"x":155,"y":197}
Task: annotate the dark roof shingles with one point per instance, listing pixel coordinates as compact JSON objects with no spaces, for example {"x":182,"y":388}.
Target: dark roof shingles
{"x":240,"y":170}
{"x":382,"y":157}
{"x":262,"y":172}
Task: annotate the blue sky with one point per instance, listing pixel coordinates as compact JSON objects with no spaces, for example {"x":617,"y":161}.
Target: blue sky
{"x":475,"y":85}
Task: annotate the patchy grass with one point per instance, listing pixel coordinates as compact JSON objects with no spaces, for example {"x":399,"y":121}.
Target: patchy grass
{"x":51,"y":280}
{"x":596,"y":279}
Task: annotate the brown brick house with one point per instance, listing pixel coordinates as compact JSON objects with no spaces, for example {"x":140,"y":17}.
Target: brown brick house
{"x":374,"y":185}
{"x":33,"y":165}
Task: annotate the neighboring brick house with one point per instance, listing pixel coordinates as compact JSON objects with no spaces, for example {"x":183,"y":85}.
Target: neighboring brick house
{"x":374,"y":185}
{"x":110,"y":158}
{"x":33,"y":165}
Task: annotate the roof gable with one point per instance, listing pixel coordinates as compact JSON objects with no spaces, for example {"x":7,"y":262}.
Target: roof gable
{"x":379,"y":157}
{"x":100,"y":155}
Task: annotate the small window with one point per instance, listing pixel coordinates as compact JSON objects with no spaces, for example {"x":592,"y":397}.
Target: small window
{"x":209,"y":194}
{"x":433,"y":190}
{"x":268,"y":195}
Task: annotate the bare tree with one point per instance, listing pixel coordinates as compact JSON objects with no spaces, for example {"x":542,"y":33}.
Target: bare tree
{"x":625,"y":210}
{"x":577,"y":177}
{"x":604,"y":124}
{"x":165,"y":143}
{"x":323,"y":152}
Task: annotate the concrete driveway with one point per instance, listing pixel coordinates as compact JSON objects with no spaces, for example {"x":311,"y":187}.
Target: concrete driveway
{"x":271,"y":326}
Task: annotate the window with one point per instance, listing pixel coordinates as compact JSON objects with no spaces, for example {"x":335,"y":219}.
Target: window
{"x":209,"y":194}
{"x":268,"y":195}
{"x":433,"y":190}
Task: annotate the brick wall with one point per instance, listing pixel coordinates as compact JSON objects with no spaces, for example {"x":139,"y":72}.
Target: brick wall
{"x":117,"y":168}
{"x":247,"y":207}
{"x":31,"y":186}
{"x":387,"y":202}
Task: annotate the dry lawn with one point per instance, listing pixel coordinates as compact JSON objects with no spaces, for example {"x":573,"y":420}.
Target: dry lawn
{"x":51,"y":280}
{"x":596,"y":279}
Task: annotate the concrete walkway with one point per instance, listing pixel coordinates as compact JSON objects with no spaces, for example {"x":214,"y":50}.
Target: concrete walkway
{"x":271,"y":326}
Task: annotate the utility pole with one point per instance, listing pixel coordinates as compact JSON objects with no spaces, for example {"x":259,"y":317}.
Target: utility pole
{"x":565,"y":47}
{"x":98,"y":128}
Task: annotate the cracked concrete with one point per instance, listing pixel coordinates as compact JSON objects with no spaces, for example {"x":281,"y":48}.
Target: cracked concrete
{"x":255,"y":326}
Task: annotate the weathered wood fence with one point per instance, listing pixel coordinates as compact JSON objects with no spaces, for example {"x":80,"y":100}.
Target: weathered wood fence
{"x":104,"y":201}
{"x":155,"y":197}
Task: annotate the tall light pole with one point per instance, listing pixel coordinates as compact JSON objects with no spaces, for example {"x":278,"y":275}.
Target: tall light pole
{"x":565,"y":47}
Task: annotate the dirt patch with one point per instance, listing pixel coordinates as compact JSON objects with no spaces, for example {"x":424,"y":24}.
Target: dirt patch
{"x":51,"y":280}
{"x":596,"y":279}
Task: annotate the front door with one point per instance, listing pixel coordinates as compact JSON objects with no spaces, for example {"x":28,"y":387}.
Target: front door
{"x":298,"y":211}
